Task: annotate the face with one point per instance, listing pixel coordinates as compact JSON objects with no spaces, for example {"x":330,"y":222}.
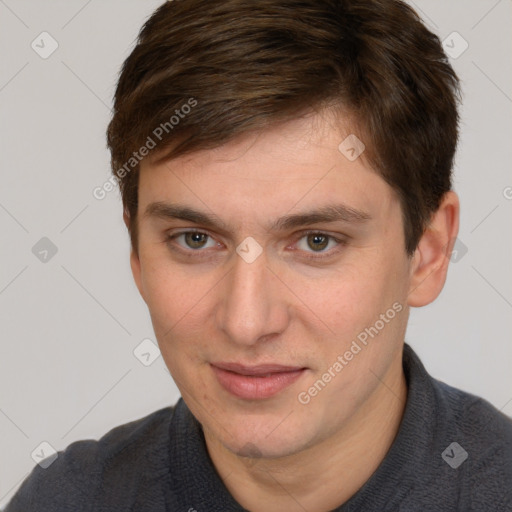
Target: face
{"x":257,"y":283}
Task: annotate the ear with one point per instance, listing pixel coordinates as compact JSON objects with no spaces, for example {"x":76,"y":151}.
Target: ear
{"x":134,"y":259}
{"x":432,"y":256}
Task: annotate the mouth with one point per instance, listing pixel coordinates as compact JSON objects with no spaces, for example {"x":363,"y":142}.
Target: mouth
{"x":255,"y":382}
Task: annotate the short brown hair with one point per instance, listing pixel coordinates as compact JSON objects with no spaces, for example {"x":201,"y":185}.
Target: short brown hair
{"x":243,"y":65}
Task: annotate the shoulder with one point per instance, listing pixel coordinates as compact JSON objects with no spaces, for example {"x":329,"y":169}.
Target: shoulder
{"x":125,"y":458}
{"x":484,"y":433}
{"x":475,"y":417}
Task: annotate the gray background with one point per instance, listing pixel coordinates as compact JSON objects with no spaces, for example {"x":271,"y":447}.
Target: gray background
{"x":70,"y":324}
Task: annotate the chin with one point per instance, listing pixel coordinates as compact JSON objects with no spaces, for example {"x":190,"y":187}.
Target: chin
{"x":255,"y":443}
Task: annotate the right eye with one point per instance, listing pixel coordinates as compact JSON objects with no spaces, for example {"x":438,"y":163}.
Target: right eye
{"x":193,"y":241}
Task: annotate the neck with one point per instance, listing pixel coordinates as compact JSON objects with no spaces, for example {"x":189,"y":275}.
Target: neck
{"x":327,"y":474}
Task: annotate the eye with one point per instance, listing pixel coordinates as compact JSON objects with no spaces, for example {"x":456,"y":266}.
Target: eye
{"x":193,"y":240}
{"x":316,"y":242}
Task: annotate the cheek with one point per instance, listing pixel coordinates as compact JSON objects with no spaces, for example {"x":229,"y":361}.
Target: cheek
{"x":167,"y":289}
{"x":344,"y":297}
{"x":177,"y":315}
{"x":173,"y":298}
{"x":345,"y":303}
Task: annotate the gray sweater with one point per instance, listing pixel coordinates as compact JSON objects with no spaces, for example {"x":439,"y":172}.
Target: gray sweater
{"x":453,"y":452}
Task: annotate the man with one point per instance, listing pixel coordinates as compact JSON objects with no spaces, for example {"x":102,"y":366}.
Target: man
{"x":285,"y":169}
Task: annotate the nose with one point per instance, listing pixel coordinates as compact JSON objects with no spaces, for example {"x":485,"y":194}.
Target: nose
{"x":254,"y":303}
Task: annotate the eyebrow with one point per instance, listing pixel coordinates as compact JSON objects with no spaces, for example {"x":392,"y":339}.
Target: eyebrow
{"x":327,"y":213}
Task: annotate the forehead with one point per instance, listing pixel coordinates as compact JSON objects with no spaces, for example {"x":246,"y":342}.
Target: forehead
{"x":289,"y":168}
{"x":303,"y":141}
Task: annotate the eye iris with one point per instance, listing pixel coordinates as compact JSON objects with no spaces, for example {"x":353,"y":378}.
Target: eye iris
{"x":192,"y":239}
{"x":316,"y":238}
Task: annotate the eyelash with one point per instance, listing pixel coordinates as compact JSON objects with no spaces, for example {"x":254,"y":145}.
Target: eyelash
{"x":341,"y":243}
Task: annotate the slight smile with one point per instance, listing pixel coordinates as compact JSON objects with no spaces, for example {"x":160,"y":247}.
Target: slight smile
{"x":255,"y":382}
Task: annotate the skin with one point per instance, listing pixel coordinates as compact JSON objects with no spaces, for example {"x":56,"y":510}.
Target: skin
{"x":208,"y":304}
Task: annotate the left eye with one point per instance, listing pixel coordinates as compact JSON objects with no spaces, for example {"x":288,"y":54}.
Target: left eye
{"x":317,"y":241}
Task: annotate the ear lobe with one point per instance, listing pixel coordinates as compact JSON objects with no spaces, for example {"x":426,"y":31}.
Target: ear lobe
{"x":432,"y":256}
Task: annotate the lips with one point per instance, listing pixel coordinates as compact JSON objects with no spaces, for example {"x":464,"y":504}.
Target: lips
{"x":255,"y":382}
